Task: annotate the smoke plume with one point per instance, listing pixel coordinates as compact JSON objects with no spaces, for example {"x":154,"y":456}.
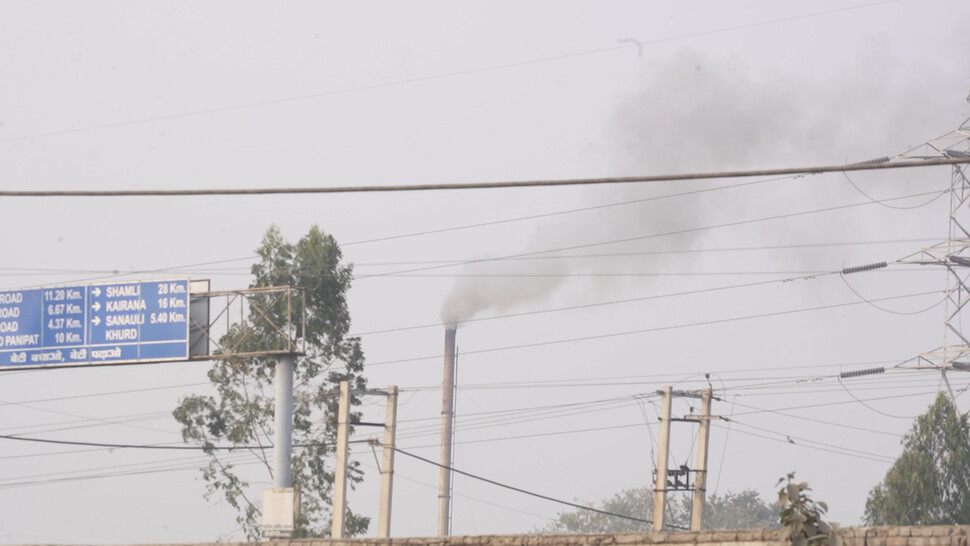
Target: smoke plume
{"x":694,"y":114}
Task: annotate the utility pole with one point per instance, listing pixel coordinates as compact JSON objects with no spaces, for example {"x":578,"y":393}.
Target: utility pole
{"x":660,"y":480}
{"x":662,"y":483}
{"x":387,"y":465}
{"x":700,"y":473}
{"x":340,"y":472}
{"x":342,"y":452}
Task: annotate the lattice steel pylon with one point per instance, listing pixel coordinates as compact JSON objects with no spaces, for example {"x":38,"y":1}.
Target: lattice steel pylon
{"x":953,"y":254}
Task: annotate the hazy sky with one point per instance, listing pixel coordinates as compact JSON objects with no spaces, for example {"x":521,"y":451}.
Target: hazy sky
{"x":660,"y":283}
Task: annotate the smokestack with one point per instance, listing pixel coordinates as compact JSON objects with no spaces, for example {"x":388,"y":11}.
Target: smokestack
{"x":447,"y":424}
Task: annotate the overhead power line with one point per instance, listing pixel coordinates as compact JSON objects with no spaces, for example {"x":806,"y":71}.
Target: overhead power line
{"x":684,"y":231}
{"x":520,"y":490}
{"x":657,"y":328}
{"x":625,"y":44}
{"x":483,"y":185}
{"x":150,"y":446}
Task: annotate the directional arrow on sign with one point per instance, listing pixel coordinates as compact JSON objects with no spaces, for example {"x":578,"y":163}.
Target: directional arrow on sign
{"x":96,"y":291}
{"x":96,"y":321}
{"x":96,"y":306}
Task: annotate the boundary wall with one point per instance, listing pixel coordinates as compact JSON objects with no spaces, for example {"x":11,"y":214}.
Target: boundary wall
{"x":948,"y":535}
{"x":956,"y":535}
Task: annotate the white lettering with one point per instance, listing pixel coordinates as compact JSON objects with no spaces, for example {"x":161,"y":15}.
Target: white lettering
{"x":116,"y":335}
{"x":22,"y":339}
{"x":9,"y":326}
{"x":124,"y":320}
{"x":104,"y":354}
{"x":55,"y":356}
{"x":11,"y":297}
{"x":9,"y":312}
{"x":125,"y":305}
{"x":130,"y":290}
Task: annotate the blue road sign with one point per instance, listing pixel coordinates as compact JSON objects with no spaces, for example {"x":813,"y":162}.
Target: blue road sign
{"x":125,"y":322}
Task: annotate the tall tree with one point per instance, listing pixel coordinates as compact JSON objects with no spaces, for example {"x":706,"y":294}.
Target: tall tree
{"x":928,"y":483}
{"x":240,"y":413}
{"x":744,"y":510}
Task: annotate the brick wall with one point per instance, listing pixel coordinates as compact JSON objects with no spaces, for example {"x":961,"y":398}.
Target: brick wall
{"x":859,"y":536}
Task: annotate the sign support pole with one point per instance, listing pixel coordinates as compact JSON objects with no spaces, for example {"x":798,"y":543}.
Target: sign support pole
{"x":283,"y":433}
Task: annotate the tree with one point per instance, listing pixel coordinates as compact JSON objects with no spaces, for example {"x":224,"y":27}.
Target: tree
{"x":803,"y":516}
{"x":240,"y":413}
{"x":744,"y":510}
{"x":928,"y":483}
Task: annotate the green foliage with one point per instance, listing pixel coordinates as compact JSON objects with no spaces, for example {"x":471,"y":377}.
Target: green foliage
{"x":637,"y":503}
{"x":928,"y":483}
{"x":744,"y":510}
{"x":804,"y":517}
{"x":241,"y":411}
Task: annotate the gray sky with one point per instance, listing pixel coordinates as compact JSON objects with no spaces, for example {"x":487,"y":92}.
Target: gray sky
{"x":172,"y":95}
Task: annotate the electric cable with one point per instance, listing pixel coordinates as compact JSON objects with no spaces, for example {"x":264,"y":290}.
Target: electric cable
{"x":631,"y":239}
{"x":885,"y":309}
{"x":600,"y":304}
{"x":398,"y":475}
{"x":883,"y":203}
{"x":434,"y":77}
{"x":854,"y":397}
{"x":806,"y":442}
{"x":720,"y":467}
{"x":448,"y":186}
{"x":106,"y":393}
{"x":78,"y":424}
{"x":520,"y":490}
{"x":568,"y":211}
{"x":839,"y":403}
{"x":154,"y":446}
{"x":875,"y":458}
{"x":35,"y":483}
{"x":523,"y":438}
{"x":656,"y":378}
{"x":811,"y":273}
{"x":654,"y":329}
{"x":811,"y":419}
{"x":760,"y":248}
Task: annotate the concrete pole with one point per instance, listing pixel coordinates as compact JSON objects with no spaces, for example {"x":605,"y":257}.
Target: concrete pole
{"x":660,"y":483}
{"x":340,"y":472}
{"x":387,"y":465}
{"x":700,"y":472}
{"x":283,"y":433}
{"x":447,"y":424}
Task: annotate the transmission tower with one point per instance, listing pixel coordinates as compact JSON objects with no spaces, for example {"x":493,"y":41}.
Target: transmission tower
{"x":953,"y":254}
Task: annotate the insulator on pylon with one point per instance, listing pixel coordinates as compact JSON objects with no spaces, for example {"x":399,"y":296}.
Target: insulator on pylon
{"x":884,"y":159}
{"x":861,"y":268}
{"x":858,"y":373}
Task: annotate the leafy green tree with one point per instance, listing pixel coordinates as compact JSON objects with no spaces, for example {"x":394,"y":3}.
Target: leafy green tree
{"x":744,"y":510}
{"x":241,"y":412}
{"x":803,"y":516}
{"x":928,"y":483}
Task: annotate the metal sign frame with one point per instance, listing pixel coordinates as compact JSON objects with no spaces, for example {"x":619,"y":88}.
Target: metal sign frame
{"x":102,"y":324}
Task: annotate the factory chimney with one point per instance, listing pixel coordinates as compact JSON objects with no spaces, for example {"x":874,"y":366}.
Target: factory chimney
{"x":447,"y":433}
